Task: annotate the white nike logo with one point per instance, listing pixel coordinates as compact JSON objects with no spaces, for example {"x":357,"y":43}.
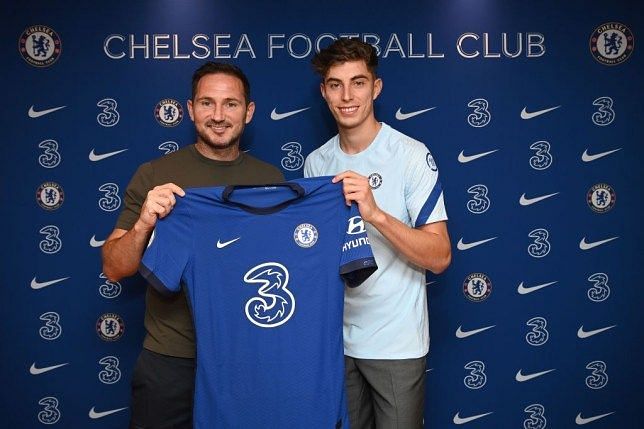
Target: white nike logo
{"x":221,"y":245}
{"x":37,"y":371}
{"x":465,"y":246}
{"x":458,"y":420}
{"x":525,"y":290}
{"x":524,"y":201}
{"x":278,"y":116}
{"x":96,"y":243}
{"x":93,"y":414}
{"x":94,"y":157}
{"x":430,"y":283}
{"x":583,"y":245}
{"x":462,"y":158}
{"x":585,"y":334}
{"x":39,"y":285}
{"x":586,"y":157}
{"x":521,"y":378}
{"x":582,"y":421}
{"x":33,"y":113}
{"x":529,"y":115}
{"x":464,"y":334}
{"x":402,"y":116}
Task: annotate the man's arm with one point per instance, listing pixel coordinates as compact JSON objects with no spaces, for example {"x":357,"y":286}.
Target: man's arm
{"x":427,"y":246}
{"x":123,"y":250}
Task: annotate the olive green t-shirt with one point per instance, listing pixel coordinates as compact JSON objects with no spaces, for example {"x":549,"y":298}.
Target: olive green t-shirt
{"x":168,"y":321}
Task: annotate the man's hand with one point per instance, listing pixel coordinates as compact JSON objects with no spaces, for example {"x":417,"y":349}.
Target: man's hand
{"x":158,"y":204}
{"x":356,"y":188}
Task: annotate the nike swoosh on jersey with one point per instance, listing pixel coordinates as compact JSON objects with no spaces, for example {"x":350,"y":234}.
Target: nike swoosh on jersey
{"x":403,"y":116}
{"x":93,"y":414}
{"x":462,"y":158}
{"x":464,"y":334}
{"x":33,"y":113}
{"x":34,"y":370}
{"x":586,"y":157}
{"x":465,"y":246}
{"x":521,"y":377}
{"x":94,"y":157}
{"x":221,"y":245}
{"x":96,"y":243}
{"x":582,"y":421}
{"x":529,"y":115}
{"x":524,"y":201}
{"x":279,"y":116}
{"x":39,"y":285}
{"x":458,"y":420}
{"x":523,"y":290}
{"x":583,"y":245}
{"x":585,"y":334}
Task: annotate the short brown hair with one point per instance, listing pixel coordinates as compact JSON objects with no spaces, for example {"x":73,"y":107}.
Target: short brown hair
{"x":223,"y":68}
{"x":343,"y":50}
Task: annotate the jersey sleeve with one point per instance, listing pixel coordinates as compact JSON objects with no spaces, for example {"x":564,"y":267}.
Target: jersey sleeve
{"x":423,"y":190}
{"x":357,"y":262}
{"x":169,"y":251}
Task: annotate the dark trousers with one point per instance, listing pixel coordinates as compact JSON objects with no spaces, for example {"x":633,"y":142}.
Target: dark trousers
{"x":385,"y":394}
{"x":162,"y":392}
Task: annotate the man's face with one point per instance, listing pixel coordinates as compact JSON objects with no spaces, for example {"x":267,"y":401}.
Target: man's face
{"x":349,"y":89}
{"x":219,"y":111}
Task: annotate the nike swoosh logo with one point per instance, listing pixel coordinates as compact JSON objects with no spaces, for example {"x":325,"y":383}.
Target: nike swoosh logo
{"x":465,"y":246}
{"x":94,"y":157}
{"x":458,"y":420}
{"x":430,"y":283}
{"x":39,"y":285}
{"x":583,"y":245}
{"x":585,"y":334}
{"x":586,"y":157}
{"x":37,"y":371}
{"x":529,"y":115}
{"x":525,"y":290}
{"x":462,"y":158}
{"x":402,"y":116}
{"x":96,"y":243}
{"x":279,"y":116}
{"x":93,"y":414}
{"x":33,"y":113}
{"x":221,"y":245}
{"x":464,"y":334}
{"x":524,"y":201}
{"x":521,"y":377}
{"x":582,"y":421}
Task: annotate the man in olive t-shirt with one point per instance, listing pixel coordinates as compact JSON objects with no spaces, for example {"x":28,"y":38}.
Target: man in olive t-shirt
{"x":163,"y":380}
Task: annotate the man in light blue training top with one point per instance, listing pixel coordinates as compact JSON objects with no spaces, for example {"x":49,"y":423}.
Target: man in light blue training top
{"x":394,"y":180}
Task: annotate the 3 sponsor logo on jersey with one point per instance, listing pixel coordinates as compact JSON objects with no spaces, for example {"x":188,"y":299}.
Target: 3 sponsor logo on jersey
{"x":109,"y":116}
{"x":305,"y":235}
{"x":50,"y":196}
{"x":375,"y":180}
{"x":601,"y":198}
{"x":40,"y":45}
{"x":612,"y":43}
{"x":110,"y":327}
{"x":168,"y":112}
{"x":477,"y":287}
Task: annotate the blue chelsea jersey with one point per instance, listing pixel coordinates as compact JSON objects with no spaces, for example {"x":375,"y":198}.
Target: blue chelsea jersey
{"x":265,"y":269}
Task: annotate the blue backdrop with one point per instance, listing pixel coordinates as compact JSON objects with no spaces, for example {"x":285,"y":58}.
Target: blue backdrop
{"x":532,"y":111}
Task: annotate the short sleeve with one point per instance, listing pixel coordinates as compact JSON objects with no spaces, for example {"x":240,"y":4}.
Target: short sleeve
{"x":357,"y":262}
{"x":169,"y":251}
{"x":135,"y":194}
{"x":423,"y":190}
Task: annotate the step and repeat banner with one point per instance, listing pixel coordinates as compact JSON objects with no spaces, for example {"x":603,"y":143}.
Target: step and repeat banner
{"x":532,"y":110}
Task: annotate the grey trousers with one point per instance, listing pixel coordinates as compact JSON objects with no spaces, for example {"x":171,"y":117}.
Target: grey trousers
{"x":385,"y":394}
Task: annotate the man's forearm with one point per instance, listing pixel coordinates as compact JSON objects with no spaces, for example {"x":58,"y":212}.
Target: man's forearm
{"x":122,"y":252}
{"x":427,"y":246}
